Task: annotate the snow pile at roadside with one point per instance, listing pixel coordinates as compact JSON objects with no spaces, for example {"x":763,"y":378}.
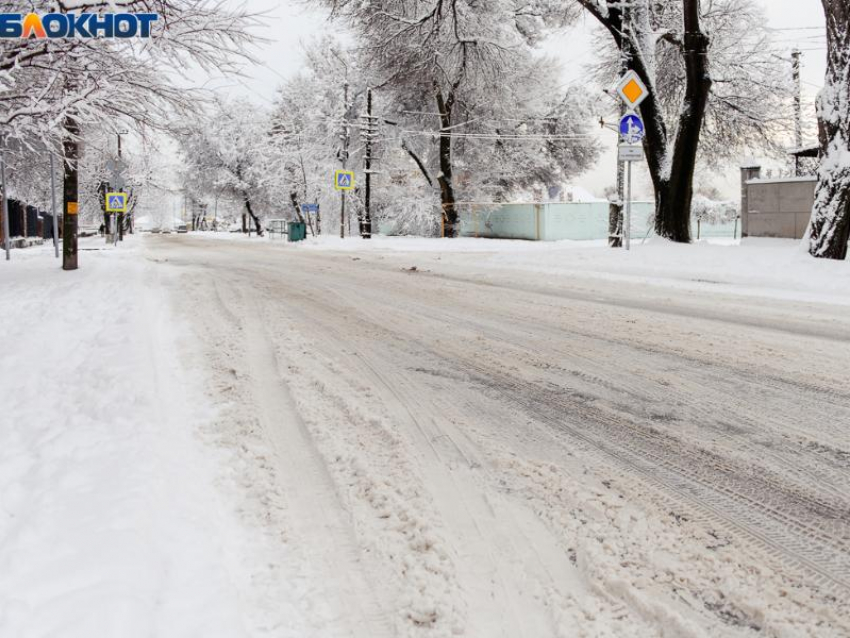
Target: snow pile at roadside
{"x":775,"y":268}
{"x":110,"y":522}
{"x":772,"y":268}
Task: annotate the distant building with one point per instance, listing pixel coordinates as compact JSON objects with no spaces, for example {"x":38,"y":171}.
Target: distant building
{"x":775,"y":207}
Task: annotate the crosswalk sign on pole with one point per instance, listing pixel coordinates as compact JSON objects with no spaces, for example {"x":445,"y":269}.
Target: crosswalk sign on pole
{"x":344,"y":180}
{"x":116,"y":202}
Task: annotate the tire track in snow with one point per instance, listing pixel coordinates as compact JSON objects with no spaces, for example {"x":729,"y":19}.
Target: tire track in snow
{"x":388,"y":307}
{"x":316,"y":526}
{"x":736,"y":503}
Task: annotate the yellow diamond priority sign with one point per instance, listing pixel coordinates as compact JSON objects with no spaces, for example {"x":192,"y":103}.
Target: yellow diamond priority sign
{"x":632,"y":90}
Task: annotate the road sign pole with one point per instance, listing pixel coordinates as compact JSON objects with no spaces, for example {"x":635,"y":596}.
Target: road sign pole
{"x":53,"y":206}
{"x":621,"y":198}
{"x":342,"y":216}
{"x":627,"y":225}
{"x":625,"y":62}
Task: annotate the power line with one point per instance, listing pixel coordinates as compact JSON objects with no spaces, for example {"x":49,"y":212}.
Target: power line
{"x":497,"y":136}
{"x":822,"y":28}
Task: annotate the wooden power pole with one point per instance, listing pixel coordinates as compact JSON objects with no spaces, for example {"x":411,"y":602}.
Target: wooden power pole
{"x":120,"y":215}
{"x":369,"y":132}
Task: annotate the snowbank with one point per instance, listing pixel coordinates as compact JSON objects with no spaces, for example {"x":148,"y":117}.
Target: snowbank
{"x":110,"y":521}
{"x":774,"y":268}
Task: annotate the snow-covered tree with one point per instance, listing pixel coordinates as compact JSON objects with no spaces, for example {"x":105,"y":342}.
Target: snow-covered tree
{"x":715,"y":87}
{"x":114,"y":83}
{"x":830,"y":227}
{"x":505,"y":141}
{"x":226,"y":152}
{"x":314,"y":129}
{"x":456,"y":75}
{"x":28,"y":172}
{"x":52,"y":88}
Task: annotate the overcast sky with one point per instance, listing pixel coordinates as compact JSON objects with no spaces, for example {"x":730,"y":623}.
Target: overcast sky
{"x":799,"y":23}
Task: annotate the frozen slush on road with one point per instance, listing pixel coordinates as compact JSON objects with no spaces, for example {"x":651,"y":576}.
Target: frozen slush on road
{"x":466,"y":448}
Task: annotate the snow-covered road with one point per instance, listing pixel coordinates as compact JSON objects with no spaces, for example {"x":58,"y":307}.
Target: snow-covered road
{"x":446,"y":453}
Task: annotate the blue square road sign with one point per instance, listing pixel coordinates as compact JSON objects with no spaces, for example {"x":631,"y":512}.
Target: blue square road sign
{"x":116,"y":202}
{"x":344,"y":180}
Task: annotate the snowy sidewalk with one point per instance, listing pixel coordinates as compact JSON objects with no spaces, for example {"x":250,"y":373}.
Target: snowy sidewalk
{"x":110,"y":521}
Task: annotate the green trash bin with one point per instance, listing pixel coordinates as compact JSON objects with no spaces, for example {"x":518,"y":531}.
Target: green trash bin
{"x":297,"y":231}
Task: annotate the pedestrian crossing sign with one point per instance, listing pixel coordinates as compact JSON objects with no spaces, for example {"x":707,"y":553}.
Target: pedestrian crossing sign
{"x":344,"y":180}
{"x":116,"y":202}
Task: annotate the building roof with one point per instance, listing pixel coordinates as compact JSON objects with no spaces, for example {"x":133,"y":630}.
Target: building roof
{"x":805,"y":151}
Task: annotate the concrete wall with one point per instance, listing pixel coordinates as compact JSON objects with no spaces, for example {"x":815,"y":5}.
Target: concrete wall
{"x":511,"y":221}
{"x":539,"y":222}
{"x":779,"y":208}
{"x":553,"y":222}
{"x":575,"y":221}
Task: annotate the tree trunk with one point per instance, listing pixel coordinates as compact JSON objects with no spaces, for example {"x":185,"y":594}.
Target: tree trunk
{"x":444,"y":178}
{"x":671,"y":169}
{"x":71,"y":198}
{"x":674,"y":192}
{"x":293,"y":197}
{"x":102,"y":190}
{"x":830,"y":227}
{"x":250,"y":210}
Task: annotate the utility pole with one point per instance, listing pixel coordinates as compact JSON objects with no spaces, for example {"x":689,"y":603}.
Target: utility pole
{"x":120,"y":215}
{"x":343,"y":155}
{"x":616,"y":241}
{"x":798,"y":107}
{"x":7,"y":241}
{"x":71,"y":198}
{"x":369,"y":131}
{"x":53,"y":207}
{"x":798,"y":98}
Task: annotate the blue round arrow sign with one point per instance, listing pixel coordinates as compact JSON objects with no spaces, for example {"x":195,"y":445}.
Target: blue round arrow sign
{"x":632,"y":130}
